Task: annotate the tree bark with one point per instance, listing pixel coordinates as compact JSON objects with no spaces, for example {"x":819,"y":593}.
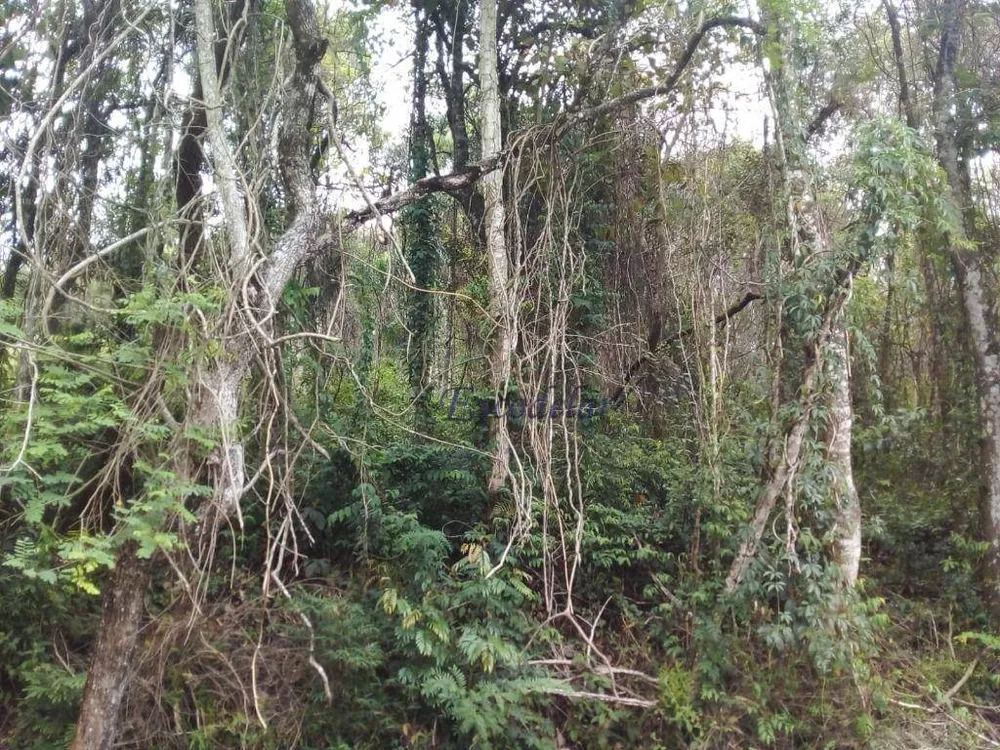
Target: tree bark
{"x":111,"y":663}
{"x":847,"y":511}
{"x":977,"y":296}
{"x":496,"y":245}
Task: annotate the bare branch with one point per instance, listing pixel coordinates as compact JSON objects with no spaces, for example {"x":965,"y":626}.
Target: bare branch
{"x":721,"y":319}
{"x":460,"y":180}
{"x":447,"y":183}
{"x":602,"y":697}
{"x":590,"y":113}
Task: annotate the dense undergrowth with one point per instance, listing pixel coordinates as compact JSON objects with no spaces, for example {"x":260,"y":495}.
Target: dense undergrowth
{"x":288,"y":414}
{"x":422,"y":649}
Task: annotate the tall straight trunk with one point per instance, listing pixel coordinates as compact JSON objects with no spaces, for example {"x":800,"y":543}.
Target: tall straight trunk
{"x":977,"y":296}
{"x":847,"y":511}
{"x":420,"y":235}
{"x":980,"y":316}
{"x":496,"y":245}
{"x":224,"y":168}
{"x":938,"y":364}
{"x":939,"y":396}
{"x":19,"y":253}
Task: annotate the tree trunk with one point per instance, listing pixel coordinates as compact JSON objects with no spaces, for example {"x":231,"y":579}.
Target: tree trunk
{"x":977,"y":298}
{"x":885,"y":347}
{"x":496,"y":245}
{"x":847,"y":514}
{"x":108,"y":675}
{"x":938,"y":365}
{"x":986,"y":347}
{"x":420,"y":241}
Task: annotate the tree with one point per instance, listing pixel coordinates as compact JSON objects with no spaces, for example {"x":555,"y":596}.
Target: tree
{"x":218,"y":379}
{"x":966,"y":251}
{"x":241,"y":327}
{"x":824,"y":345}
{"x":496,"y":245}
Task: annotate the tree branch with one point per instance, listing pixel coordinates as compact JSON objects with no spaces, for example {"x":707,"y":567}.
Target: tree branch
{"x":590,"y":113}
{"x":819,"y":121}
{"x":225,"y":174}
{"x":946,"y":698}
{"x":721,"y":319}
{"x":462,"y":179}
{"x":447,"y":183}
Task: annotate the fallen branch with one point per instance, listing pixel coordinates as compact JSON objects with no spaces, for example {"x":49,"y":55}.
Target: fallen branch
{"x":602,"y":697}
{"x":602,"y":670}
{"x":946,"y":698}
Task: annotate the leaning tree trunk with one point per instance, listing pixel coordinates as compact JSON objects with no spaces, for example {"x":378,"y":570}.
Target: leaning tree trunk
{"x":241,"y":329}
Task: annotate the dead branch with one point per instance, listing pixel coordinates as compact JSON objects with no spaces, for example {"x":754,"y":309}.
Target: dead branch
{"x":591,"y":113}
{"x":619,"y":699}
{"x":720,"y":320}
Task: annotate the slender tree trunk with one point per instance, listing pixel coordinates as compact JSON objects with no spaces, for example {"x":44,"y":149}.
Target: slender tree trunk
{"x":420,"y":237}
{"x":19,"y":253}
{"x":223,"y":164}
{"x":939,"y":397}
{"x":885,"y":338}
{"x":905,"y":101}
{"x":847,"y":514}
{"x":496,"y":245}
{"x":977,"y":296}
{"x":938,"y":364}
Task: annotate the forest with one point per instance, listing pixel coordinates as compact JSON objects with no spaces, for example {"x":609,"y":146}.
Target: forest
{"x":500,"y":374}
